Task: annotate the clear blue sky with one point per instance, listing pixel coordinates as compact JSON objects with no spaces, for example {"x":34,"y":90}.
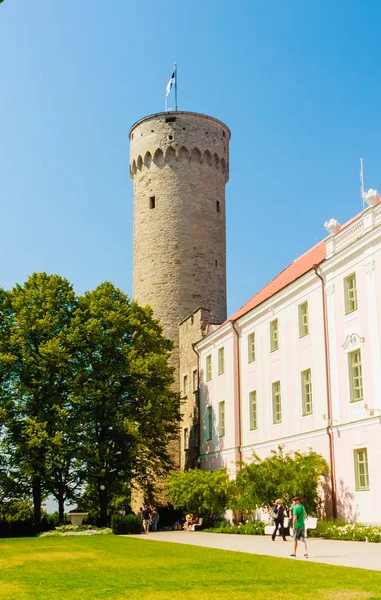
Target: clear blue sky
{"x":298,"y":82}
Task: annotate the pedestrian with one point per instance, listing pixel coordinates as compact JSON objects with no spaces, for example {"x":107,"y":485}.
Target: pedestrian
{"x":188,"y":522}
{"x":155,"y":519}
{"x":298,"y":516}
{"x":278,"y":516}
{"x":146,"y":518}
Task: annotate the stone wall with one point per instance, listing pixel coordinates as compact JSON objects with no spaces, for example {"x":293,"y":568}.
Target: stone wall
{"x":179,"y":165}
{"x":191,"y":330}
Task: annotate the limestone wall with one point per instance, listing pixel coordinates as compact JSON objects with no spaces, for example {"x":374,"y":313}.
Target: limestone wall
{"x":179,"y":164}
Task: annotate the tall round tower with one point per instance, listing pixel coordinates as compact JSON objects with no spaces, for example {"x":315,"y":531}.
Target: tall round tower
{"x":179,"y":164}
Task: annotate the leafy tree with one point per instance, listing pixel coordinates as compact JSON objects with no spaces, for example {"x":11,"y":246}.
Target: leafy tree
{"x":201,"y":492}
{"x":65,"y":470}
{"x":280,"y":475}
{"x":122,"y":385}
{"x":34,"y":362}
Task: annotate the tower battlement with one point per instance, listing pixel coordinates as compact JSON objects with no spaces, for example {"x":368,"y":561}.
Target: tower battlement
{"x":164,"y":139}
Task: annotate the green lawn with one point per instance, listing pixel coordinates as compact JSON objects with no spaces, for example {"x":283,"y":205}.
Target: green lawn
{"x":116,"y":568}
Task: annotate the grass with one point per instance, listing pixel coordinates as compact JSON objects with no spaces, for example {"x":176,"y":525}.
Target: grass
{"x":116,"y":568}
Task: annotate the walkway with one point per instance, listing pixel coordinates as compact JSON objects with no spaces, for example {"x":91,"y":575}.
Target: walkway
{"x":331,"y":552}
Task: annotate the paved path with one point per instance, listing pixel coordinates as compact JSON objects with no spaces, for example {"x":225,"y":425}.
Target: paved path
{"x":331,"y":552}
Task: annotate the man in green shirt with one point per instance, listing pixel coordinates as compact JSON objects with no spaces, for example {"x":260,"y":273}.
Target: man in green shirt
{"x":298,"y":516}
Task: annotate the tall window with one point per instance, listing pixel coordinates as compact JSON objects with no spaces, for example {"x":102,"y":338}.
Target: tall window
{"x":355,"y":376}
{"x":350,"y":291}
{"x":209,"y":423}
{"x":209,"y":367}
{"x":221,"y":361}
{"x":221,"y":418}
{"x":277,"y":404}
{"x":361,"y":469}
{"x":185,"y":385}
{"x":251,"y":347}
{"x":253,"y":410}
{"x":274,"y":342}
{"x":194,"y":381}
{"x":303,"y":319}
{"x":306,"y":393}
{"x":186,"y":439}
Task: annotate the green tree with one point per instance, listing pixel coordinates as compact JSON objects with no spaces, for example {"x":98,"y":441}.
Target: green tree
{"x":34,"y":363}
{"x":205,"y":493}
{"x":122,"y":383}
{"x":281,"y":475}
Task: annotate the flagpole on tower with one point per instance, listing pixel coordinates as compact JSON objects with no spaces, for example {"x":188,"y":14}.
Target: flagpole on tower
{"x":175,"y":86}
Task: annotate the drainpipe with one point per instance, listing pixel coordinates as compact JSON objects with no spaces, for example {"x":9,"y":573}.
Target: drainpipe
{"x":237,"y":389}
{"x":198,"y":399}
{"x":329,"y":395}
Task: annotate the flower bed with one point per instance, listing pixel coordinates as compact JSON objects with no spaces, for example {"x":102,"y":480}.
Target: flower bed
{"x":66,"y":530}
{"x":351,"y":531}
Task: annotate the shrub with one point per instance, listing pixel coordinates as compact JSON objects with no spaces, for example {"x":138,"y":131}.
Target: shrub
{"x":241,"y":529}
{"x":126,"y":524}
{"x":204,"y":493}
{"x":336,"y":530}
{"x":19,"y":528}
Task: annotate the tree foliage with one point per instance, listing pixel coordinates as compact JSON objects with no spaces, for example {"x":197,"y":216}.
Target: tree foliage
{"x":281,"y":475}
{"x":122,"y":385}
{"x":84,"y":392}
{"x":205,"y":493}
{"x":34,"y":374}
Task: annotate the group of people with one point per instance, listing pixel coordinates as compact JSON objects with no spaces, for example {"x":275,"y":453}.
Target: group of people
{"x":185,"y":522}
{"x":189,"y":521}
{"x":150,"y":518}
{"x":297,"y":518}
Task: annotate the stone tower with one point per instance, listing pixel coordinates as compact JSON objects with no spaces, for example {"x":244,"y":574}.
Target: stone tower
{"x":179,"y":164}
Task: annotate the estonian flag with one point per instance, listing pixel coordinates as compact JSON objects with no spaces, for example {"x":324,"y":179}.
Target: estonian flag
{"x":170,"y":84}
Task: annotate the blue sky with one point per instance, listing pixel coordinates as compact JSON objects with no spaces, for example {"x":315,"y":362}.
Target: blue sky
{"x":297,"y":82}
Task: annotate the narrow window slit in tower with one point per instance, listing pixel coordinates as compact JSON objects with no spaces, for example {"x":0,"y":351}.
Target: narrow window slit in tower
{"x":152,"y":202}
{"x":218,"y":206}
{"x":170,"y":137}
{"x":223,"y":133}
{"x":216,"y":263}
{"x":170,"y":119}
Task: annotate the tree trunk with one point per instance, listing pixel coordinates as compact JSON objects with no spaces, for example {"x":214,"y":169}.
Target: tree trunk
{"x":103,"y":505}
{"x":61,"y":508}
{"x":36,"y":487}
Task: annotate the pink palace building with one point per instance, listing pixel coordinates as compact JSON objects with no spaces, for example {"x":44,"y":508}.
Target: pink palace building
{"x":299,"y":365}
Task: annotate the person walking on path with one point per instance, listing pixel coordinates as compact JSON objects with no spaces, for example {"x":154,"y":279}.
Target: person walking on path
{"x":278,"y":515}
{"x":298,"y":517}
{"x":155,"y":519}
{"x":146,"y":518}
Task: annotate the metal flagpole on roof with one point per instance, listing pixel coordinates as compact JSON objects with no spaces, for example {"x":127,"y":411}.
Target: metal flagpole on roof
{"x":362,"y":183}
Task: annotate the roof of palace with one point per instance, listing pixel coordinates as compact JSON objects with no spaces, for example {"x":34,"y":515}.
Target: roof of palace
{"x":296,"y":269}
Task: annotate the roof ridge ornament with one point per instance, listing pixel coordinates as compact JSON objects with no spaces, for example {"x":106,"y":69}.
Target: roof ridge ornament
{"x":332,"y":226}
{"x":370,"y":197}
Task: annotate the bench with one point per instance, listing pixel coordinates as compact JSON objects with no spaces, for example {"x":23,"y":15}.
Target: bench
{"x":309,"y":523}
{"x":193,"y":527}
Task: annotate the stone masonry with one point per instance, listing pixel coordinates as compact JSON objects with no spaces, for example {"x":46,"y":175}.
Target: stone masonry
{"x":191,"y":331}
{"x":179,"y":165}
